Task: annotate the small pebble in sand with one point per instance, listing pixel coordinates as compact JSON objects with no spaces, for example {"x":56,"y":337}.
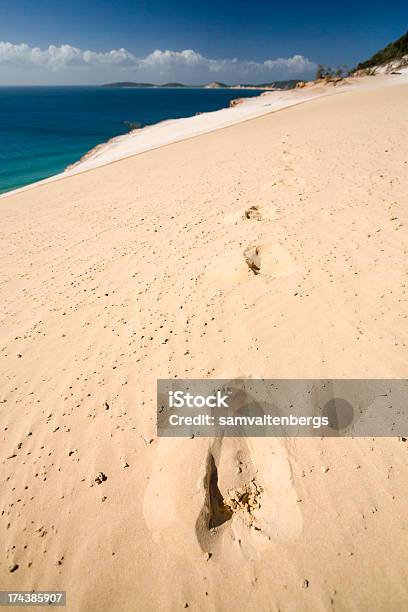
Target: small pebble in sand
{"x":14,"y":567}
{"x":325,"y":469}
{"x":304,"y":584}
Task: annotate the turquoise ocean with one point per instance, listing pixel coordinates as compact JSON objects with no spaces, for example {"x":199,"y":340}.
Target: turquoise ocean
{"x":44,"y":129}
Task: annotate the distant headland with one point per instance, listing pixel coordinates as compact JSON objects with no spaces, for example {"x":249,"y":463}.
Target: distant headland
{"x":288,"y":84}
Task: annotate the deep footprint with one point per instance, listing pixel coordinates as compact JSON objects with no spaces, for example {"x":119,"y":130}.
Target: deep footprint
{"x":219,"y":512}
{"x":252,"y":259}
{"x":253,"y":212}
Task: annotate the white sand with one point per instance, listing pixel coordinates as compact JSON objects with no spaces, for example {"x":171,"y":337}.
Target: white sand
{"x":136,"y":270}
{"x":168,"y":132}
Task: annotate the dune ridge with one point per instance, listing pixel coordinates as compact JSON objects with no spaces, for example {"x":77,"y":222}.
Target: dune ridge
{"x":145,"y":269}
{"x":175,"y":130}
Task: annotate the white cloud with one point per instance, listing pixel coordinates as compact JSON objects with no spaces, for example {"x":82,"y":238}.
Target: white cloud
{"x":169,"y":59}
{"x":71,"y":64}
{"x":57,"y":58}
{"x":116,"y":57}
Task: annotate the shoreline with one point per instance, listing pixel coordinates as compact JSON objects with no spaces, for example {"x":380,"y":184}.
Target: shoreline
{"x":170,"y":131}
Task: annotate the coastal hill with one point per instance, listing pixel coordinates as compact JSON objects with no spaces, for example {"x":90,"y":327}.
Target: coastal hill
{"x":128,"y":84}
{"x":172,"y":85}
{"x":288,"y":84}
{"x":132,"y":84}
{"x":215,"y":85}
{"x":392,"y":57}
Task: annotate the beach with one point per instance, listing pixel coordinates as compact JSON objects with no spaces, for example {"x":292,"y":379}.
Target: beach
{"x":168,"y":131}
{"x":126,"y":272}
{"x":64,"y":123}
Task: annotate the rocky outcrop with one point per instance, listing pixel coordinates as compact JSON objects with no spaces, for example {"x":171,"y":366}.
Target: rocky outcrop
{"x":236,"y":101}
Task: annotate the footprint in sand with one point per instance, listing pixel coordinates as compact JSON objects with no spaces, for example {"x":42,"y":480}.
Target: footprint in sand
{"x":235,"y":492}
{"x":248,"y":496}
{"x":209,"y":494}
{"x":253,"y":212}
{"x":262,"y":211}
{"x":252,"y":259}
{"x":269,"y":259}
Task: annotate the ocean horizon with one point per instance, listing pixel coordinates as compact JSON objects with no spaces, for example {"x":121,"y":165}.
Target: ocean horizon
{"x":44,"y":129}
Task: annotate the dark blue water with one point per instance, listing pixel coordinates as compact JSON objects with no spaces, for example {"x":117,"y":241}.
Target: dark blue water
{"x":43,"y":129}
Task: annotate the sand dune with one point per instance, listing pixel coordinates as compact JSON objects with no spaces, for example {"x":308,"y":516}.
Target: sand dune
{"x":272,"y":248}
{"x":168,"y":132}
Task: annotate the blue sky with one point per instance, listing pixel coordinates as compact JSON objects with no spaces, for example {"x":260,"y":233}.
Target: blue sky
{"x":251,"y":33}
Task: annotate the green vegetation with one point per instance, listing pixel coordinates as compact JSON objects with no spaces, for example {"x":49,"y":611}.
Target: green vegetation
{"x":172,"y":85}
{"x":394,"y":51}
{"x":288,"y":84}
{"x":326,"y":72}
{"x":133,"y":125}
